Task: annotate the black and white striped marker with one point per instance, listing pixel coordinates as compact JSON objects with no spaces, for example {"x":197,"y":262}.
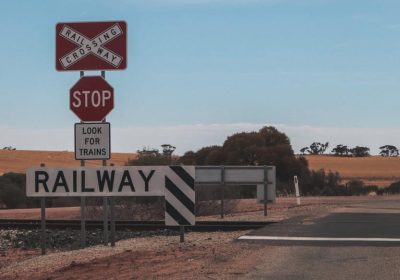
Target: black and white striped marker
{"x":180,"y":196}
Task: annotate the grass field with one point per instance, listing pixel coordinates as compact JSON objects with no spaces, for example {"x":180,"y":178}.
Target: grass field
{"x":19,"y":161}
{"x":375,"y":170}
{"x":372,"y":170}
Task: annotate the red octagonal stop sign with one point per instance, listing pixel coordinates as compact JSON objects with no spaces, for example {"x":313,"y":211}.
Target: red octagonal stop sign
{"x":91,"y":98}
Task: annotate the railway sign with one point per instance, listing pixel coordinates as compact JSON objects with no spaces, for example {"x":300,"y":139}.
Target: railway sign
{"x":92,"y":141}
{"x":104,"y":181}
{"x":91,"y":45}
{"x":92,"y":98}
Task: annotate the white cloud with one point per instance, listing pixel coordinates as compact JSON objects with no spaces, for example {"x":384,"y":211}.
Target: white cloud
{"x":193,"y":137}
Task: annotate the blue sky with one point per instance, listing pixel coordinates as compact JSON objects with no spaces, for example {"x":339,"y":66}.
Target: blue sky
{"x":199,"y":70}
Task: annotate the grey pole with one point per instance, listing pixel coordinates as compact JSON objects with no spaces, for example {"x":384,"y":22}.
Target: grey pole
{"x":83,"y":203}
{"x":265,"y":189}
{"x":105,"y":199}
{"x":112,"y":218}
{"x":222,"y":191}
{"x":43,"y":222}
{"x":83,"y":216}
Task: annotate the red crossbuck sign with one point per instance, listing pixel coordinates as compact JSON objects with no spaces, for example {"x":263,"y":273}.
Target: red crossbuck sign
{"x":91,"y":46}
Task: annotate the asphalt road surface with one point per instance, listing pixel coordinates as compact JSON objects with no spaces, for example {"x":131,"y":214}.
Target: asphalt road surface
{"x":361,"y":241}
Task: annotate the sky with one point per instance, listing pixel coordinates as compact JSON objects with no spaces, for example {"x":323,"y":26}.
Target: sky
{"x":201,"y":70}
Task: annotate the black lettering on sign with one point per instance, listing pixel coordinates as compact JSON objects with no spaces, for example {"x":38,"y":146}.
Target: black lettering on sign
{"x":126,"y":181}
{"x":74,"y":181}
{"x":105,"y":178}
{"x":146,"y":179}
{"x":83,"y":183}
{"x":43,"y":180}
{"x":60,"y":182}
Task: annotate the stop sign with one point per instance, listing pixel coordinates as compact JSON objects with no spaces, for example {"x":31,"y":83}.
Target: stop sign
{"x":91,"y":98}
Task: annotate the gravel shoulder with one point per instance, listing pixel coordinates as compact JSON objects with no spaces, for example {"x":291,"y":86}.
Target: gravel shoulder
{"x":212,"y":255}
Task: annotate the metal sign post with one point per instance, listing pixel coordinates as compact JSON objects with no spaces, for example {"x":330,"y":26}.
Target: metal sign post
{"x":222,"y":191}
{"x":83,"y":204}
{"x":112,"y":218}
{"x":43,"y":222}
{"x":105,"y":199}
{"x":83,"y":216}
{"x":265,"y":189}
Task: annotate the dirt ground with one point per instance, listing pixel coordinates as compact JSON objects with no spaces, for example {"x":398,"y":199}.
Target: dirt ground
{"x":212,"y":255}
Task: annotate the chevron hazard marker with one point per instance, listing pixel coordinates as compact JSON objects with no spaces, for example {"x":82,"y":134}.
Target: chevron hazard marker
{"x":180,"y":196}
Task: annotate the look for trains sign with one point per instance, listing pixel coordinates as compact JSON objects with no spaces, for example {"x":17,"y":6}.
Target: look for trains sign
{"x":91,"y":46}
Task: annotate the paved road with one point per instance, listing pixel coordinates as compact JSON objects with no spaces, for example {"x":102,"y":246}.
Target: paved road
{"x":361,"y":241}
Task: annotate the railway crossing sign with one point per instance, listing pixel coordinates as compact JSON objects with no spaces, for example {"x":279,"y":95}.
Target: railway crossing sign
{"x":92,"y":98}
{"x":92,"y":141}
{"x":91,"y":46}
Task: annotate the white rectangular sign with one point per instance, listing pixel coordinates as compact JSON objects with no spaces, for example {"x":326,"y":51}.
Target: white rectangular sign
{"x":92,"y":141}
{"x":97,"y":181}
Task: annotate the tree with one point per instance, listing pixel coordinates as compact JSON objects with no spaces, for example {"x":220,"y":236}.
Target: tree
{"x":389,"y":151}
{"x":168,"y":149}
{"x":148,"y":156}
{"x":360,"y":151}
{"x":341,"y":150}
{"x":304,"y":150}
{"x":11,"y":194}
{"x":318,"y":148}
{"x":268,"y":146}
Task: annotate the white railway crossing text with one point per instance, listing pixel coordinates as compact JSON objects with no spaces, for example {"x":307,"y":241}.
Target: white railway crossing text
{"x":93,"y":46}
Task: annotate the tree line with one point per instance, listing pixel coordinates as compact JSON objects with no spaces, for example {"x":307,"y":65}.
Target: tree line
{"x":317,"y":148}
{"x":268,"y":146}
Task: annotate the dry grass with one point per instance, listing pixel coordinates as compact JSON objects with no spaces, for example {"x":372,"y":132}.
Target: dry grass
{"x":373,"y":170}
{"x":19,"y":160}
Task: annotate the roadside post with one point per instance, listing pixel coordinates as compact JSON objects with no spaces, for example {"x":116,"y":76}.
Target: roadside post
{"x":43,"y":222}
{"x":297,"y":190}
